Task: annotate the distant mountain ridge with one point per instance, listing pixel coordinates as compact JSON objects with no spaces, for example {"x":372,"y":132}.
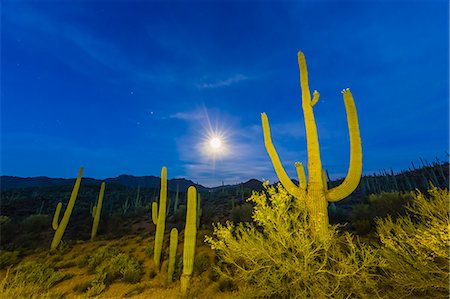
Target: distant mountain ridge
{"x":12,"y":182}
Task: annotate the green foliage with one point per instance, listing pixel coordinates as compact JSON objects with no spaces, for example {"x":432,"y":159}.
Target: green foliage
{"x":201,"y":263}
{"x":377,"y":206}
{"x":149,"y":250}
{"x":226,"y":285}
{"x":242,"y":213}
{"x":389,"y":203}
{"x":100,"y":256}
{"x":36,"y":223}
{"x":178,"y":267}
{"x":82,"y":287}
{"x":416,"y":248}
{"x":279,"y":258}
{"x":8,"y":258}
{"x":31,"y":277}
{"x":109,"y":264}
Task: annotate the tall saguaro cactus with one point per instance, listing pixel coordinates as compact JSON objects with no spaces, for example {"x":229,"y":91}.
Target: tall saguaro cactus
{"x":190,"y":237}
{"x":160,"y":218}
{"x":60,"y":227}
{"x":315,"y":192}
{"x":97,"y":211}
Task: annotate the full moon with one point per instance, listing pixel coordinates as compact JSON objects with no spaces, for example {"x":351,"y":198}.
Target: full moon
{"x":215,"y":143}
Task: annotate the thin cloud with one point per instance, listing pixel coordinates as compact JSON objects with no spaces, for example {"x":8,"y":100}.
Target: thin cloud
{"x":222,"y":83}
{"x":188,"y":116}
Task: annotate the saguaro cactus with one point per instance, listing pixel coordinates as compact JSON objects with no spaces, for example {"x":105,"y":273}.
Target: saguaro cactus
{"x":160,"y":218}
{"x":172,"y":253}
{"x":60,"y":227}
{"x":315,"y":192}
{"x":190,"y":237}
{"x":97,"y":211}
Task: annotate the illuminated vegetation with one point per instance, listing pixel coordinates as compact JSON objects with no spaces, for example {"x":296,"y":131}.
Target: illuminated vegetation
{"x":278,"y":257}
{"x":416,"y":248}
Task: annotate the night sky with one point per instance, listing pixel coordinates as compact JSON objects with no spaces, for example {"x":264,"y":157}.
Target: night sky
{"x":126,"y":87}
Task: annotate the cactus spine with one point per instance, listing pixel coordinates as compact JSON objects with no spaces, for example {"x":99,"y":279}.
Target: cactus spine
{"x":172,"y":253}
{"x":97,"y":211}
{"x":315,"y":192}
{"x":190,"y":236}
{"x":160,"y":218}
{"x":60,"y":227}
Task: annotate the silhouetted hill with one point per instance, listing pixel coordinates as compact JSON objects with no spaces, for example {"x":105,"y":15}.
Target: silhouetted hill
{"x":12,"y":182}
{"x":254,"y":184}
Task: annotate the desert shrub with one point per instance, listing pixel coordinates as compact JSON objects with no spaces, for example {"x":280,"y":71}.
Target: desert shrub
{"x":100,"y":256}
{"x":416,"y":248}
{"x":97,"y":285}
{"x":377,"y":206}
{"x":36,"y":223}
{"x":150,"y":250}
{"x":82,"y":287}
{"x":178,"y":270}
{"x":110,"y":264}
{"x":8,"y":258}
{"x":389,"y":203}
{"x":201,"y":263}
{"x":126,"y":267}
{"x":279,"y":258}
{"x":152,"y":273}
{"x":242,"y":213}
{"x":226,"y":284}
{"x":29,"y":279}
{"x":8,"y":230}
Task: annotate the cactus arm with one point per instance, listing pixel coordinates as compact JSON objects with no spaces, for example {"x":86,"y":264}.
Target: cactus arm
{"x":190,"y":237}
{"x":98,"y":211}
{"x":314,"y":163}
{"x":65,"y":220}
{"x":161,"y":223}
{"x":55,"y":222}
{"x":301,"y":176}
{"x":315,"y":99}
{"x":281,"y":173}
{"x":154,"y":212}
{"x":355,"y":168}
{"x":172,"y":253}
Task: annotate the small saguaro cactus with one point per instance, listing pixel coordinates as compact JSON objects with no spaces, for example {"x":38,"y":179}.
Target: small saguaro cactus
{"x":172,"y":253}
{"x":60,"y":226}
{"x":97,"y":211}
{"x":160,"y":218}
{"x":315,"y":192}
{"x":190,"y":237}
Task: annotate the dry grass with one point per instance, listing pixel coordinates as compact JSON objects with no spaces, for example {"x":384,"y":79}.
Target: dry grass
{"x":69,"y":261}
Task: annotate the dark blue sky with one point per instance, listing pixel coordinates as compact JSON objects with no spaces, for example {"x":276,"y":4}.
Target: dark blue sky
{"x":127,"y":87}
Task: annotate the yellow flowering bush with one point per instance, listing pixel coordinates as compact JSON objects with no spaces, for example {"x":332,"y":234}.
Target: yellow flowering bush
{"x":416,"y":248}
{"x":276,"y":255}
